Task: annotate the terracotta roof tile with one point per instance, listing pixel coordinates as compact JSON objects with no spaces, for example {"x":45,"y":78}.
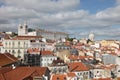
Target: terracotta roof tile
{"x":33,"y":50}
{"x":77,"y":66}
{"x":103,"y":79}
{"x":23,"y":72}
{"x":2,"y":77}
{"x":5,"y":69}
{"x":70,"y":74}
{"x":59,"y":76}
{"x":26,"y":37}
{"x":7,"y":58}
{"x":46,"y":53}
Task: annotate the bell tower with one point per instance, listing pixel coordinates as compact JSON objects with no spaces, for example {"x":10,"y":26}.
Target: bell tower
{"x":22,"y":30}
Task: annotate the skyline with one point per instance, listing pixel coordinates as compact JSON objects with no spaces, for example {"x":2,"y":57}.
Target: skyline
{"x":76,"y":17}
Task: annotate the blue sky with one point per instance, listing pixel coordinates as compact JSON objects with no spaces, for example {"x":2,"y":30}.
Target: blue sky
{"x":94,"y":6}
{"x":76,"y":17}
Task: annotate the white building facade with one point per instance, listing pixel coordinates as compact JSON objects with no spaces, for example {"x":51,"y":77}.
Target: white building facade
{"x":23,"y":31}
{"x":16,"y":47}
{"x":46,"y":60}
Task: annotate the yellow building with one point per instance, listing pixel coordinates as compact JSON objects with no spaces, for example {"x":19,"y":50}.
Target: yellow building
{"x":107,"y":42}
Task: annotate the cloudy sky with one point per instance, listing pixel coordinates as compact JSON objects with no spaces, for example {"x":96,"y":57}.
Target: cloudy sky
{"x":77,"y":17}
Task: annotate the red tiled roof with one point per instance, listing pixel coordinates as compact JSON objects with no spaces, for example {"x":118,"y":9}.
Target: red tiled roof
{"x":2,"y":77}
{"x":58,"y":76}
{"x":46,"y":53}
{"x":21,"y":73}
{"x":4,"y":70}
{"x":77,"y":66}
{"x":31,"y":50}
{"x":103,"y":79}
{"x":118,"y":78}
{"x":26,"y":37}
{"x":70,"y":74}
{"x":6,"y":59}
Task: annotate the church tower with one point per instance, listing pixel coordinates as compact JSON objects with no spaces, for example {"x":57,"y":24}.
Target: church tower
{"x":22,"y":30}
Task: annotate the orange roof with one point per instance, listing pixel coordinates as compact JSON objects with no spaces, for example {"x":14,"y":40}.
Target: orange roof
{"x":2,"y":77}
{"x":26,"y":37}
{"x":6,"y":59}
{"x":31,"y":50}
{"x":4,"y":70}
{"x":21,"y":73}
{"x":118,"y":78}
{"x":70,"y":74}
{"x":77,"y":66}
{"x":46,"y":53}
{"x":103,"y":79}
{"x":59,"y":76}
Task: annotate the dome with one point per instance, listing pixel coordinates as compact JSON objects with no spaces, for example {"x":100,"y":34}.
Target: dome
{"x":91,"y":36}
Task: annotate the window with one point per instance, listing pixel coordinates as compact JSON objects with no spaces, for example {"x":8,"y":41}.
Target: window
{"x":21,"y":27}
{"x":5,"y":50}
{"x":118,"y":70}
{"x":19,"y":56}
{"x":19,"y":51}
{"x":97,"y":71}
{"x":6,"y":43}
{"x":13,"y":51}
{"x":41,"y":59}
{"x":19,"y":43}
{"x":86,"y":73}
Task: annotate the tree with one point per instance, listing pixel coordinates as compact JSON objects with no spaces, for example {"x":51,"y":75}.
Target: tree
{"x":70,"y":39}
{"x":30,"y":30}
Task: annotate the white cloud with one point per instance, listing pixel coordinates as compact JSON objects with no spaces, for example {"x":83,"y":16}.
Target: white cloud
{"x":44,"y":5}
{"x":59,"y":15}
{"x":9,"y":14}
{"x":118,"y":2}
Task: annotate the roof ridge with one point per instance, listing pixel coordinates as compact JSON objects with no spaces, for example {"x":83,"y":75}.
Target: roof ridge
{"x":9,"y":57}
